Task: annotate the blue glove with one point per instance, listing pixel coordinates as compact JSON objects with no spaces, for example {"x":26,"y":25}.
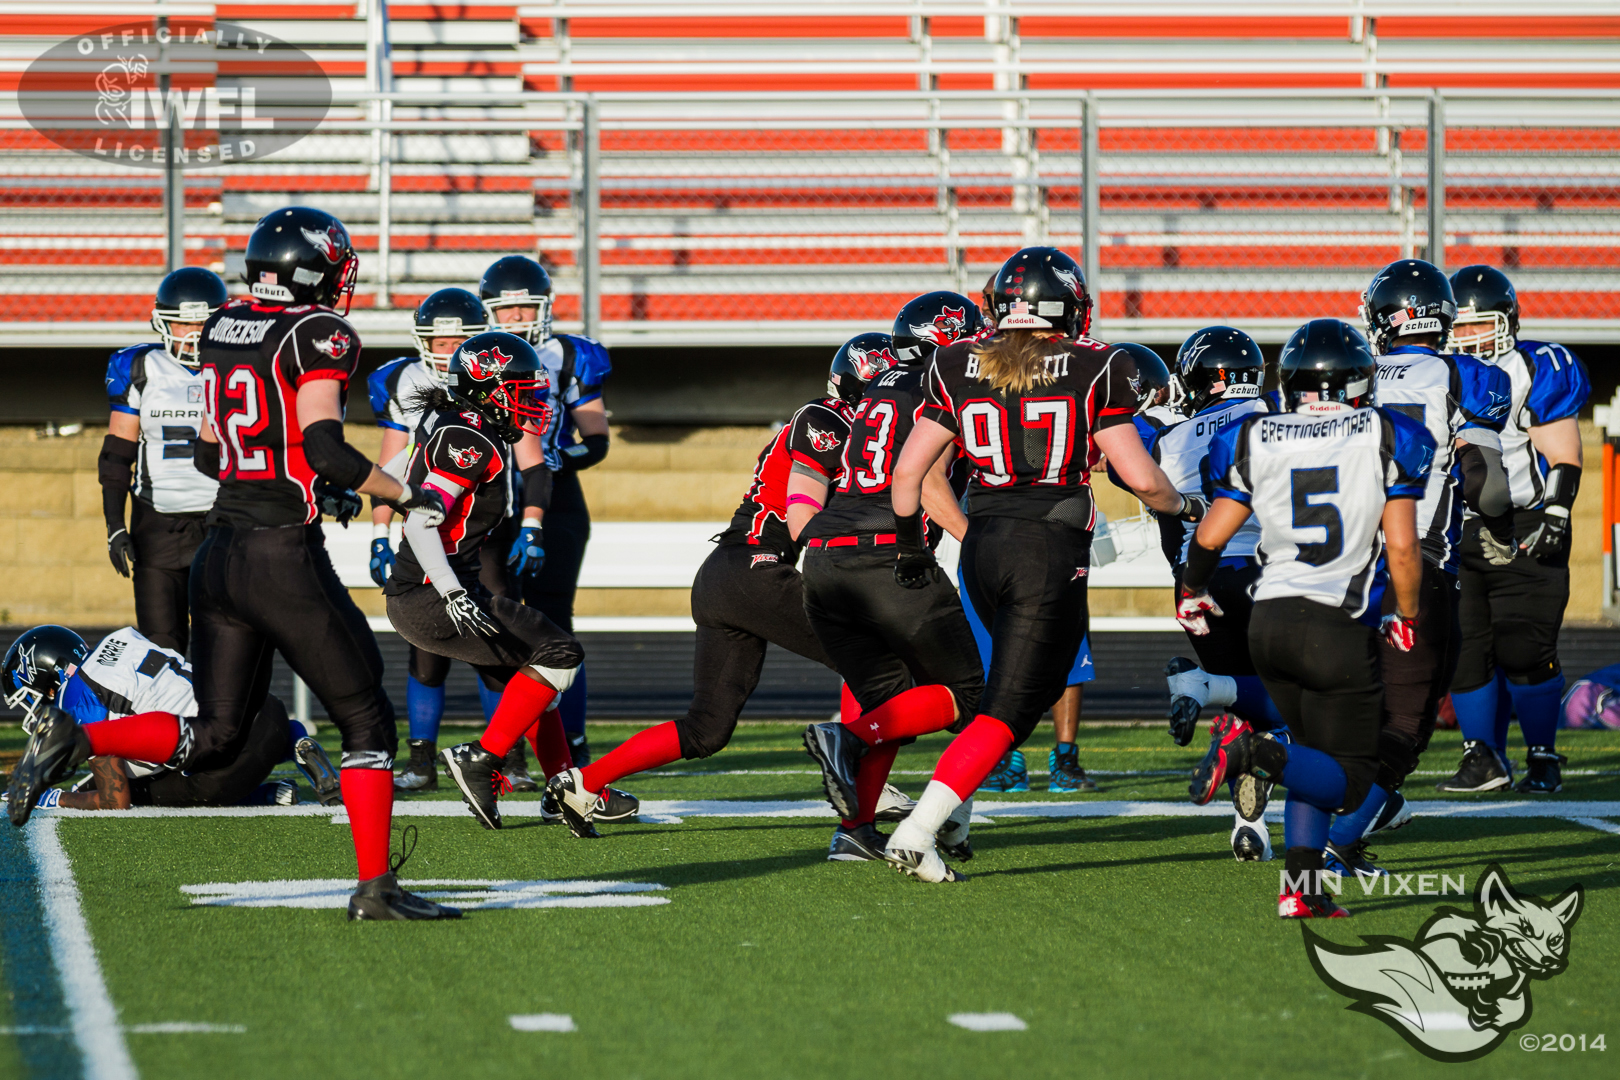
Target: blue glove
{"x":382,"y":560}
{"x":527,"y":556}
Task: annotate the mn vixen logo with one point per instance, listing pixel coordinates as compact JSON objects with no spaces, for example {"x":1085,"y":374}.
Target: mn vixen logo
{"x":822,"y":440}
{"x":1456,"y":991}
{"x":466,"y":457}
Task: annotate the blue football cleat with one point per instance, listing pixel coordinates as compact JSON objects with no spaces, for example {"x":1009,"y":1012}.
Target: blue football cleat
{"x":1063,"y":767}
{"x":1010,"y":774}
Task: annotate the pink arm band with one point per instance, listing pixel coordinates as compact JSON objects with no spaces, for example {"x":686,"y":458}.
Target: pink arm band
{"x":795,"y":499}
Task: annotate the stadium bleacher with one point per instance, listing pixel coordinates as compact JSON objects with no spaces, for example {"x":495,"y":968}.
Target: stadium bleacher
{"x":790,"y":178}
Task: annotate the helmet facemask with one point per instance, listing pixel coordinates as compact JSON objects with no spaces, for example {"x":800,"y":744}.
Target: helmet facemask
{"x":182,"y":346}
{"x":1500,"y":340}
{"x":443,"y":329}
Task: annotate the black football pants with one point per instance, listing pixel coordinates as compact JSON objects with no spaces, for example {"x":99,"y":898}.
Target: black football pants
{"x":526,"y":637}
{"x":264,"y":749}
{"x":1027,"y":583}
{"x":567,"y":531}
{"x":1320,"y":667}
{"x":743,"y":597}
{"x":886,"y":639}
{"x":431,"y":669}
{"x":1510,"y":615}
{"x":1225,"y":649}
{"x":165,"y":544}
{"x":1415,"y":681}
{"x":258,"y":591}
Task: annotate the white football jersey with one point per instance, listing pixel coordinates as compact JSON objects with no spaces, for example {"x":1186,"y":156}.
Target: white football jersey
{"x":1548,"y":383}
{"x":1317,"y":480}
{"x":1182,"y":451}
{"x":393,"y":388}
{"x":129,"y":675}
{"x":167,"y":398}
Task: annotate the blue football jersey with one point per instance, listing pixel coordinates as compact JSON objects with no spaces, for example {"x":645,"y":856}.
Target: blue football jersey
{"x":1549,"y":383}
{"x":1317,"y":480}
{"x":1447,"y":395}
{"x":1182,"y":451}
{"x":578,"y":367}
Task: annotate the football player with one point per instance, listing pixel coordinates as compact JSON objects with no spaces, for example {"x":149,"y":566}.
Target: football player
{"x":156,"y":394}
{"x":518,"y":294}
{"x":127,"y":673}
{"x":276,"y":367}
{"x":1511,"y":614}
{"x":1408,"y":311}
{"x":907,"y":655}
{"x":1323,"y":478}
{"x":747,"y":593}
{"x":441,"y":323}
{"x":495,"y":393}
{"x":1031,"y":408}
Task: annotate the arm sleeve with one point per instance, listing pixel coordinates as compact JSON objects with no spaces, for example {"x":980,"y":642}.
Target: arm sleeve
{"x":1559,"y":385}
{"x":938,"y":403}
{"x":1228,"y":469}
{"x":816,"y":443}
{"x":332,"y":457}
{"x":587,"y":452}
{"x":206,"y":458}
{"x":429,"y":552}
{"x":537,"y":487}
{"x":113,"y":470}
{"x":1484,"y":483}
{"x":323,"y":346}
{"x":1409,"y":454}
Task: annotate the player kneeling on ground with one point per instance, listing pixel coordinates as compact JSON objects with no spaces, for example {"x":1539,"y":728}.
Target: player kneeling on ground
{"x":51,"y":666}
{"x":1323,"y":478}
{"x":494,"y":393}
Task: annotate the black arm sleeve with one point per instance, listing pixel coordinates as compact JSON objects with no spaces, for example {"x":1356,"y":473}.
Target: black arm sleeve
{"x":330,"y":456}
{"x":537,"y":487}
{"x":112,"y":469}
{"x":585,"y":453}
{"x":206,"y":458}
{"x":908,"y":531}
{"x":1201,"y":564}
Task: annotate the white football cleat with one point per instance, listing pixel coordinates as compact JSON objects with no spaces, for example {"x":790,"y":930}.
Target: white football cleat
{"x":1251,"y":840}
{"x":911,"y":852}
{"x":894,"y":805}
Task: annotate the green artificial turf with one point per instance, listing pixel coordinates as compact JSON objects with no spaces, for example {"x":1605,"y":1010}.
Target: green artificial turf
{"x":1132,"y":947}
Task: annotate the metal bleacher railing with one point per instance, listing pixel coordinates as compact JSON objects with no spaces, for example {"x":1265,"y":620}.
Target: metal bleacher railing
{"x":802,"y":216}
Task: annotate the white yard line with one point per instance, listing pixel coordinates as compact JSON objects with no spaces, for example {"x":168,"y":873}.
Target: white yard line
{"x":94,"y":1019}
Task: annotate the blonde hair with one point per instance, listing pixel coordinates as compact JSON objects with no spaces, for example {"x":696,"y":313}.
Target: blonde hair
{"x":1014,"y":360}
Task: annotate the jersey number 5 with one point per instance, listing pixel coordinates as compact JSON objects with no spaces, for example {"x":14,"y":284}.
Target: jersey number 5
{"x":1317,"y":515}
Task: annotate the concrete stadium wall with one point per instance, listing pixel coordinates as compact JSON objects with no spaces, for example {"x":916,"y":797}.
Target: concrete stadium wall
{"x":54,"y":565}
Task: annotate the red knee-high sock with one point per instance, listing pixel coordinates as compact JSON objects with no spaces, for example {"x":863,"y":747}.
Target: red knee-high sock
{"x":869,"y":780}
{"x":849,"y":710}
{"x":646,"y":749}
{"x":522,"y":703}
{"x":550,"y":744}
{"x":148,"y":736}
{"x":972,"y":754}
{"x":368,"y":796}
{"x":922,"y":710}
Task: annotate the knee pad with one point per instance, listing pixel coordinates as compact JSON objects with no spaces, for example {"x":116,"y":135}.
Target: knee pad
{"x":1359,"y":775}
{"x":1527,"y":653}
{"x":1397,"y":757}
{"x":697,"y":744}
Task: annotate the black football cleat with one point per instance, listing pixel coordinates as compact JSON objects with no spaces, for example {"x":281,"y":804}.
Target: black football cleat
{"x":860,"y":844}
{"x":1481,"y":770}
{"x":421,"y":773}
{"x":477,"y":772}
{"x":577,"y":805}
{"x":615,"y":807}
{"x":1188,"y":691}
{"x":1395,"y":813}
{"x":317,"y":768}
{"x":1544,"y":773}
{"x":55,"y":745}
{"x":838,"y":752}
{"x":1251,"y":841}
{"x":381,"y":899}
{"x":579,"y":749}
{"x":1352,"y":860}
{"x":1228,"y":755}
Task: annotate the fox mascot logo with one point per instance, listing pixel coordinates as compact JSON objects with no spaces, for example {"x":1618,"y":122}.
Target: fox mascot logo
{"x":1457,"y":990}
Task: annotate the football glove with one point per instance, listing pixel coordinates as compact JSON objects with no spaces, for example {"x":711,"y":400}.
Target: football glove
{"x":1551,"y":537}
{"x":466,"y":616}
{"x":526,"y":556}
{"x":916,"y":570}
{"x":337,"y":502}
{"x":382,"y":560}
{"x":1398,"y":630}
{"x":1497,"y":551}
{"x":1193,"y":508}
{"x":1193,"y":609}
{"x":423,"y":501}
{"x":120,"y":549}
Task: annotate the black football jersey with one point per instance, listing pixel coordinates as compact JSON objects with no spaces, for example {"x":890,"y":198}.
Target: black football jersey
{"x":1031,"y":452}
{"x":861,"y":503}
{"x":254,"y":359}
{"x":456,"y":447}
{"x":814,"y":440}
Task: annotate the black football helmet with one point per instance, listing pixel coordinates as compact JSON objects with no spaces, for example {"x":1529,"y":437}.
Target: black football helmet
{"x":857,"y":362}
{"x":500,"y":377}
{"x":1219,"y":361}
{"x":37,"y":664}
{"x":1041,"y":288}
{"x":300,"y":255}
{"x":186,"y":296}
{"x":1407,"y":298}
{"x":448,"y":313}
{"x":518,"y":281}
{"x":1328,"y":358}
{"x":1485,"y":295}
{"x":1145,"y":371}
{"x":932,"y":321}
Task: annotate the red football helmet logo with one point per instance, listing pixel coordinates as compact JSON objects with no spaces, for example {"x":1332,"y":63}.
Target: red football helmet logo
{"x":329,"y":242}
{"x":822,"y":440}
{"x":465,"y":458}
{"x":485,"y":365}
